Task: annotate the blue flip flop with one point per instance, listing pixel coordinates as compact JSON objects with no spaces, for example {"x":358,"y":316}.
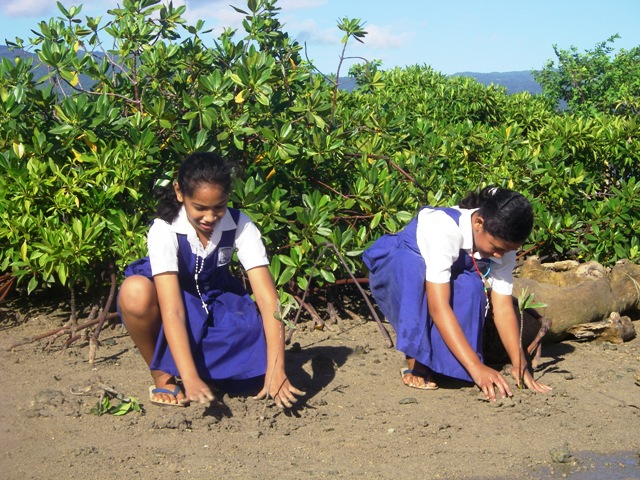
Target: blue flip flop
{"x":153,"y":390}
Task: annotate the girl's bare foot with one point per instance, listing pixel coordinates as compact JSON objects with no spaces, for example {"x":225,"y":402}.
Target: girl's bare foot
{"x":418,"y":376}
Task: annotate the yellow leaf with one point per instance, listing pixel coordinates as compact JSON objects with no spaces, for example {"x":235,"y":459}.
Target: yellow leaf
{"x":271,"y":173}
{"x":76,"y":46}
{"x":89,"y":143}
{"x":74,"y":80}
{"x":293,"y":64}
{"x":239,"y":97}
{"x":18,"y":149}
{"x":23,"y":251}
{"x":77,"y":201}
{"x":259,"y":157}
{"x":510,"y":184}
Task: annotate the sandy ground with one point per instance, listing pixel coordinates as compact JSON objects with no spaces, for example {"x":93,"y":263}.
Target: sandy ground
{"x":357,"y":419}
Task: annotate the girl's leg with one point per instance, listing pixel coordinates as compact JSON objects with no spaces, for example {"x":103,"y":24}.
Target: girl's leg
{"x":418,"y":375}
{"x":140,"y":311}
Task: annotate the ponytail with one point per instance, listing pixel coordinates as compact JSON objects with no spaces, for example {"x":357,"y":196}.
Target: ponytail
{"x":168,"y":204}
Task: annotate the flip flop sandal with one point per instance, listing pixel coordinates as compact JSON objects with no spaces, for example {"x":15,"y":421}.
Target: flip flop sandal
{"x":426,"y":386}
{"x":154,"y":391}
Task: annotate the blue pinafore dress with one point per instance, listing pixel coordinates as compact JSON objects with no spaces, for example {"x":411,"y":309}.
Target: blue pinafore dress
{"x":227,"y":338}
{"x":397,"y":282}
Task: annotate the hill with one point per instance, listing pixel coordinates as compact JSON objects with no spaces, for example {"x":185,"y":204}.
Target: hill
{"x":514,"y":82}
{"x":39,"y":70}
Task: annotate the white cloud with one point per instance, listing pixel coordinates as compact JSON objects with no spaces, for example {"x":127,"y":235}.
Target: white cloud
{"x":386,"y":37}
{"x":309,"y":31}
{"x":377,"y":36}
{"x":218,"y":14}
{"x":27,"y":8}
{"x":300,"y":4}
{"x":48,"y":8}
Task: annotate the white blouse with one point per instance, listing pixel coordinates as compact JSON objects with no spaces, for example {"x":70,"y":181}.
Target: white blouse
{"x":440,"y":240}
{"x":162,"y":242}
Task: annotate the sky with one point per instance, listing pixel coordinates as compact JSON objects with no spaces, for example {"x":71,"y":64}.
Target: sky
{"x":451,"y":36}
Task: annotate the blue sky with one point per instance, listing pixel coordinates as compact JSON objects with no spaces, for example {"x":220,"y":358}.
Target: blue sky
{"x":449,"y":35}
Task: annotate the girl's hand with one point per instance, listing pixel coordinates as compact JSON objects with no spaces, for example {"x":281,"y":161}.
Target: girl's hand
{"x":196,"y":390}
{"x":530,"y":383}
{"x":277,"y":386}
{"x":488,"y":379}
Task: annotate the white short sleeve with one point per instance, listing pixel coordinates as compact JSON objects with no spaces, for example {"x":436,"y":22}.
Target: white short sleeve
{"x":251,"y":251}
{"x":162,"y":244}
{"x":439,"y":240}
{"x":502,"y":274}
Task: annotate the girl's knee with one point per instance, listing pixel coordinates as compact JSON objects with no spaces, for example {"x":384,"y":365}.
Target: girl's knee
{"x":137,"y":295}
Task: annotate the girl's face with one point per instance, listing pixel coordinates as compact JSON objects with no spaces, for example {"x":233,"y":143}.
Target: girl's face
{"x":204,"y":208}
{"x":486,"y":244}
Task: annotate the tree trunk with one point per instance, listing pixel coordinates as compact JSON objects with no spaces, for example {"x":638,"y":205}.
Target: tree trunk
{"x":576,"y":294}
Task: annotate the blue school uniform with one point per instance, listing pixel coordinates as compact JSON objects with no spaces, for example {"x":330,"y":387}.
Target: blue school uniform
{"x":397,"y":282}
{"x":225,"y":330}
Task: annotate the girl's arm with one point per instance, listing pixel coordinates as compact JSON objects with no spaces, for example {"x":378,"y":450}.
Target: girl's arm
{"x":175,"y":330}
{"x":276,"y":383}
{"x":506,"y":321}
{"x":438,"y":296}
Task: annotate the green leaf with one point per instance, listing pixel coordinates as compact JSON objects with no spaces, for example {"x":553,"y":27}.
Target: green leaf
{"x":33,"y":284}
{"x":61,"y":130}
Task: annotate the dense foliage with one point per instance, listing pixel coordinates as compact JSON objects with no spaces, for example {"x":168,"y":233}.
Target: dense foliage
{"x":82,"y":148}
{"x":594,"y":81}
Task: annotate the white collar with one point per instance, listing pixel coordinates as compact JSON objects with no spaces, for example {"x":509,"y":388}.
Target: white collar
{"x":182,"y":226}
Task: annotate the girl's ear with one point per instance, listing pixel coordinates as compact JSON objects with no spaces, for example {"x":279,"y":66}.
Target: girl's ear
{"x":179,"y":195}
{"x":478,"y":223}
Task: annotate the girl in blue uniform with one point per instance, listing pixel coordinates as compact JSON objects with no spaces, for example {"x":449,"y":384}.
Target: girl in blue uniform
{"x":432,"y":281}
{"x":189,"y":317}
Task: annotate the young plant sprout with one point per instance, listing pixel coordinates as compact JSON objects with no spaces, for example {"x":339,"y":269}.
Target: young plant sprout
{"x":525,"y":301}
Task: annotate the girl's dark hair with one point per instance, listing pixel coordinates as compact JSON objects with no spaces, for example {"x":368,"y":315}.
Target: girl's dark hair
{"x":196,"y":169}
{"x":507,"y":214}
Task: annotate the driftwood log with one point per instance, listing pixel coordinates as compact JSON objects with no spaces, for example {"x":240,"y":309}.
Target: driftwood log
{"x":584,"y":301}
{"x":578,"y":294}
{"x":615,"y":329}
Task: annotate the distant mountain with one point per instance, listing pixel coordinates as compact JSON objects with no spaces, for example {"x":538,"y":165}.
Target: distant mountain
{"x":39,"y":71}
{"x":515,"y":82}
{"x":11,"y":54}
